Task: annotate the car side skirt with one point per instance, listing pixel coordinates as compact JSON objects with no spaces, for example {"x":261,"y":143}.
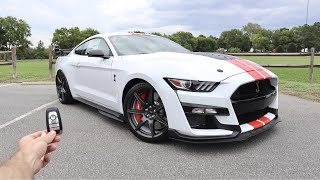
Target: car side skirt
{"x":104,"y":111}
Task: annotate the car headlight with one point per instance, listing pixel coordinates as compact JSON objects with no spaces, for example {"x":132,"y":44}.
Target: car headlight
{"x":190,"y":85}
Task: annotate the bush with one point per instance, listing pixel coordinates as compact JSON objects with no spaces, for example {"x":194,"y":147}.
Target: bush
{"x":292,"y":47}
{"x":280,"y":49}
{"x":234,"y":50}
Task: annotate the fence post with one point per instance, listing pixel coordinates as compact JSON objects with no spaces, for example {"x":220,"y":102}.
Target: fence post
{"x":50,"y":62}
{"x":311,"y":65}
{"x":14,"y":62}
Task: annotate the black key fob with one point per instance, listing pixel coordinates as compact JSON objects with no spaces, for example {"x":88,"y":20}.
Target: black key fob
{"x":53,"y":120}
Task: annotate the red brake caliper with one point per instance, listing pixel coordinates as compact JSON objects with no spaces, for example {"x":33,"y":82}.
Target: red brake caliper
{"x":143,"y":96}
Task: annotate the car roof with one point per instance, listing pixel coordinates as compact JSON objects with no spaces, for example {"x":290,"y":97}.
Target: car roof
{"x":106,"y":35}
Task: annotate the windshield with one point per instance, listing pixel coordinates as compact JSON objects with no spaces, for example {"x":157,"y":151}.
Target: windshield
{"x":143,"y":44}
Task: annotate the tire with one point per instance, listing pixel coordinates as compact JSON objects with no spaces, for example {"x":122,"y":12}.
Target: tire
{"x":63,"y":90}
{"x":145,"y":113}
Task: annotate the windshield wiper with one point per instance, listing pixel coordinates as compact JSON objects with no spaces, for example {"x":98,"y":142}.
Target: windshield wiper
{"x":143,"y":53}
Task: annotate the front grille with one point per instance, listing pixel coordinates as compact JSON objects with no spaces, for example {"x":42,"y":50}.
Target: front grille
{"x":252,"y":90}
{"x":251,"y":116}
{"x":251,"y":101}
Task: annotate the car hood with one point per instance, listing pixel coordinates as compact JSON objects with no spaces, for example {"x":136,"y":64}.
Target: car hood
{"x":195,"y":66}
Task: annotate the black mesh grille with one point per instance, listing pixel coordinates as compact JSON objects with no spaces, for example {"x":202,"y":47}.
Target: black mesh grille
{"x":251,"y":101}
{"x":252,"y":90}
{"x":248,"y":117}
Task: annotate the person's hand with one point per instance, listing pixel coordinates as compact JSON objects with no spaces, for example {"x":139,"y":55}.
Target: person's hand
{"x":35,"y":149}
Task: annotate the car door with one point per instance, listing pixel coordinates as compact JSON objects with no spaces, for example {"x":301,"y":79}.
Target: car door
{"x":94,"y":74}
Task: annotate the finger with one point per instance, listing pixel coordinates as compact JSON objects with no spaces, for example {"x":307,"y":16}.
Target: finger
{"x":43,"y":134}
{"x":51,"y":148}
{"x":46,"y":160}
{"x":48,"y":138}
{"x":29,"y":137}
{"x":35,"y":134}
{"x":56,"y":139}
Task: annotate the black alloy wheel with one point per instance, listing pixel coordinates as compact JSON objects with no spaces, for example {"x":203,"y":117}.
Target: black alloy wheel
{"x":145,"y":113}
{"x":63,"y":90}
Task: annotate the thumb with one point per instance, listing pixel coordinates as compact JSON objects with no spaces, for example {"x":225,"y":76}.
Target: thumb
{"x":49,"y":137}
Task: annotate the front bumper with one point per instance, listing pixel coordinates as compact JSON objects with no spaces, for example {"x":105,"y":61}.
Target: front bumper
{"x":236,"y":119}
{"x":235,"y":136}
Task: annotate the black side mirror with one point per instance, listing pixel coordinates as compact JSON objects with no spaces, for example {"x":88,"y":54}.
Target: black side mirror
{"x":97,"y":53}
{"x":56,"y":50}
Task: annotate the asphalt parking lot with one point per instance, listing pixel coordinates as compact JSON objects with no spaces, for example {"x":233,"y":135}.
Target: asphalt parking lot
{"x":96,"y":147}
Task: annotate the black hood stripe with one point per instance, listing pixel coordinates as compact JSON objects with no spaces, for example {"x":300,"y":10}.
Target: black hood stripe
{"x":215,"y":55}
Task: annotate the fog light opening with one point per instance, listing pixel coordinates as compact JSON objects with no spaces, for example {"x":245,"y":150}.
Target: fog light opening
{"x":210,"y":111}
{"x":198,"y":110}
{"x":204,"y":111}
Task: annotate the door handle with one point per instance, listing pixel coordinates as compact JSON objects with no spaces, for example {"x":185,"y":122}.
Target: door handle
{"x":78,"y":64}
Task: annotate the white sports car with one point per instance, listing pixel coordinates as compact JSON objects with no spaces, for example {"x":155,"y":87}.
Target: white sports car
{"x":161,"y":89}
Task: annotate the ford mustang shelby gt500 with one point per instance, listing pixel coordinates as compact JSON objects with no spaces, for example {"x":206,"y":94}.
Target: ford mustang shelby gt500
{"x":161,"y":89}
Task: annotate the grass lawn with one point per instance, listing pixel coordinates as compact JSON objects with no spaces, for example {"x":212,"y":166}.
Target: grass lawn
{"x":27,"y":70}
{"x":282,"y":59}
{"x":293,"y":81}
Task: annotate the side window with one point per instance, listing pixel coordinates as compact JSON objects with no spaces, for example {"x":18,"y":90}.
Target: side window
{"x":103,"y":46}
{"x":93,"y":44}
{"x":96,"y":44}
{"x":81,"y":49}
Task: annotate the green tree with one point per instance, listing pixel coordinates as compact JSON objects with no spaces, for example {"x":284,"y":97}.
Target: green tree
{"x":307,"y":36}
{"x":14,"y":32}
{"x":251,"y":28}
{"x":68,"y":38}
{"x":234,"y":38}
{"x":185,"y":39}
{"x":157,"y":34}
{"x":292,"y":47}
{"x":88,"y":33}
{"x":260,"y":42}
{"x":2,"y":38}
{"x":40,"y":51}
{"x":283,"y":37}
{"x":280,"y":49}
{"x":206,"y":44}
{"x":26,"y":53}
{"x":316,"y":31}
{"x":213,"y":43}
{"x":234,"y":50}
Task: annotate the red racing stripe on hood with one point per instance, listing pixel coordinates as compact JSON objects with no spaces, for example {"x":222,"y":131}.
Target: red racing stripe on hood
{"x":252,"y":72}
{"x":259,"y":69}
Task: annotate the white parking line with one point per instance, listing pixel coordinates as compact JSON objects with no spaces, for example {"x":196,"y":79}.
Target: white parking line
{"x":27,"y":114}
{"x":4,"y":85}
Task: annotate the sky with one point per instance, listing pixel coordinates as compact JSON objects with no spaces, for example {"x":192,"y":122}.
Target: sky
{"x":208,"y":17}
